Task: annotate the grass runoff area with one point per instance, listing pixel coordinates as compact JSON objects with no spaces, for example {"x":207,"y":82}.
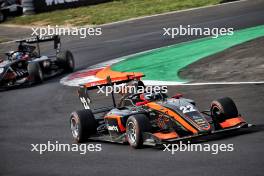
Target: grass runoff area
{"x":164,"y":64}
{"x":109,"y":12}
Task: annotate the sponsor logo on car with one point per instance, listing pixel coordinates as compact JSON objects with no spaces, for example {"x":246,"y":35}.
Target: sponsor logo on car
{"x":112,"y":128}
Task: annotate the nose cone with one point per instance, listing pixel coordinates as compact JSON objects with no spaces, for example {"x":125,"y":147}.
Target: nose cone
{"x":199,"y":121}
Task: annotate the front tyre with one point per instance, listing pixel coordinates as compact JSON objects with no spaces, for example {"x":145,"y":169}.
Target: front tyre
{"x":83,"y":125}
{"x":223,"y":109}
{"x":66,"y":61}
{"x":136,"y":125}
{"x":35,"y":72}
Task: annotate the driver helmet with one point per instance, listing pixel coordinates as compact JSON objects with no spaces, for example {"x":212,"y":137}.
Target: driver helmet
{"x":16,"y":56}
{"x":152,"y":96}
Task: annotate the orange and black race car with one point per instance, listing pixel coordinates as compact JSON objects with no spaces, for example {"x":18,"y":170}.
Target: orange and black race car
{"x":143,"y":118}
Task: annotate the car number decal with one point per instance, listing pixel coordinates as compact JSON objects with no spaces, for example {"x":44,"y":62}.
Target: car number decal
{"x":85,"y":102}
{"x":187,"y":109}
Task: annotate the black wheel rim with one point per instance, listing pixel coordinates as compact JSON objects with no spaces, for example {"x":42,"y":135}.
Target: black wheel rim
{"x":216,"y":111}
{"x":74,"y":128}
{"x":131,"y":132}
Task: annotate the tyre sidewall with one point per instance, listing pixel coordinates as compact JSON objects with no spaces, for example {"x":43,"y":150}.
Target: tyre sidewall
{"x":2,"y":17}
{"x":66,"y":61}
{"x":142,"y":125}
{"x":227,"y":109}
{"x":75,"y":117}
{"x":87,"y":124}
{"x":138,"y":133}
{"x":35,"y":72}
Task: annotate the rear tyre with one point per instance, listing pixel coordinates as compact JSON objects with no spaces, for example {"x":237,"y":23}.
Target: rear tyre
{"x":19,"y":11}
{"x":2,"y":17}
{"x":83,"y":125}
{"x":223,"y":109}
{"x":35,"y":72}
{"x":66,"y":61}
{"x":136,"y":125}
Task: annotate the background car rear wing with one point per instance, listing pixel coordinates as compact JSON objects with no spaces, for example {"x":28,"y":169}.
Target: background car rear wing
{"x":83,"y":89}
{"x":37,"y":40}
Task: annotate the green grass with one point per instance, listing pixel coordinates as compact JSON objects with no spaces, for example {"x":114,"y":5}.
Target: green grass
{"x":164,"y":63}
{"x":109,"y":12}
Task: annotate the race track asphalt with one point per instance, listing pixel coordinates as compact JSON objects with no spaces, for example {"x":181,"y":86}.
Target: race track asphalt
{"x":41,"y":113}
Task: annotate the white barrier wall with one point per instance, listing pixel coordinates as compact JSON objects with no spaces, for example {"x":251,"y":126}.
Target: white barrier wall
{"x":39,"y":6}
{"x":28,"y":7}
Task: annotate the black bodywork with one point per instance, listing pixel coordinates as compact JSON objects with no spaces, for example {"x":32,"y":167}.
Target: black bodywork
{"x":168,"y":119}
{"x":15,"y":71}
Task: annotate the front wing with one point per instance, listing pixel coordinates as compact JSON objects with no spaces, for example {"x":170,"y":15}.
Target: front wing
{"x":150,"y":138}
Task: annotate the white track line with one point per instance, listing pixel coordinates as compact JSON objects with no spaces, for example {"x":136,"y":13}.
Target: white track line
{"x":131,"y":19}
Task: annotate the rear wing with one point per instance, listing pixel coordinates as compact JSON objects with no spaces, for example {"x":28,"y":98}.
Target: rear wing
{"x":83,"y":89}
{"x":109,"y":81}
{"x":37,"y":40}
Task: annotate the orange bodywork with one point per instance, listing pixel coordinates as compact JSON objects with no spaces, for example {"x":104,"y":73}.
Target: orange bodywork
{"x":107,"y":71}
{"x":165,"y":136}
{"x":172,"y":114}
{"x":232,"y":122}
{"x":118,"y":119}
{"x":113,"y":80}
{"x":114,"y":76}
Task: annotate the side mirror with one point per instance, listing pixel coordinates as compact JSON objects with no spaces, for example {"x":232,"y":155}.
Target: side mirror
{"x":177,"y":96}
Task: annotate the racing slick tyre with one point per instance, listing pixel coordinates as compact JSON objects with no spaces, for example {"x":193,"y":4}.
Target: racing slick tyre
{"x":66,"y":61}
{"x":35,"y":72}
{"x":2,"y":17}
{"x":136,"y":125}
{"x":19,"y":11}
{"x":83,"y":125}
{"x":222,"y":109}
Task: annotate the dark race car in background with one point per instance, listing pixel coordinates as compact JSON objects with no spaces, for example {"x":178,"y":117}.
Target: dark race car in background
{"x":144,"y":118}
{"x":26,"y":65}
{"x":10,"y":8}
